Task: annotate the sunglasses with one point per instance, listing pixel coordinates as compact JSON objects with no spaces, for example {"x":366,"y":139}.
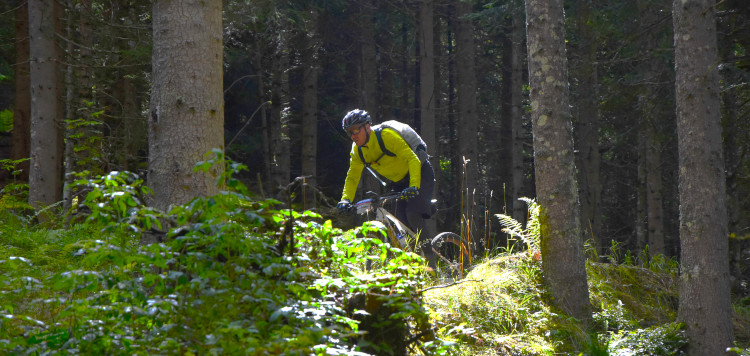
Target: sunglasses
{"x":356,"y":131}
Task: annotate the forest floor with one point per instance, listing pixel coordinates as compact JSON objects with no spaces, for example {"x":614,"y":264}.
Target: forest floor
{"x":502,"y":308}
{"x":237,"y":277}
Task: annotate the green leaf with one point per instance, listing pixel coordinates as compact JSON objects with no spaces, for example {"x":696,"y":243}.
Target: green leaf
{"x":6,"y":120}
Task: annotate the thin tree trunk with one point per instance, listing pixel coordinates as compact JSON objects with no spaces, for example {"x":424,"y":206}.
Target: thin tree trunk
{"x":427,"y":86}
{"x":654,"y":192}
{"x":310,"y":118}
{"x":403,"y":108}
{"x":705,"y":305}
{"x":427,"y":74}
{"x":501,"y":178}
{"x":516,"y":111}
{"x":369,"y":77}
{"x":267,"y":132}
{"x":468,"y":127}
{"x":281,"y":165}
{"x":651,"y":104}
{"x":587,"y":128}
{"x":563,"y":260}
{"x":641,"y":209}
{"x":22,"y":100}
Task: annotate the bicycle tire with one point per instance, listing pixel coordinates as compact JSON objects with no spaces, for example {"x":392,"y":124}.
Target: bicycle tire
{"x":453,"y":253}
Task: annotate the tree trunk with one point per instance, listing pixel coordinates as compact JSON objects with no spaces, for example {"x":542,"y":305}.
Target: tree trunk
{"x":467,"y":121}
{"x":187,"y":106}
{"x":587,"y":124}
{"x":281,"y":165}
{"x":369,"y":77}
{"x":46,"y":145}
{"x":652,"y":109}
{"x":563,"y":260}
{"x":500,"y":178}
{"x":427,"y":74}
{"x":641,"y":208}
{"x":310,"y":116}
{"x":511,"y":169}
{"x":654,"y":191}
{"x":427,"y":87}
{"x":266,"y":128}
{"x":705,"y":305}
{"x":516,"y":112}
{"x":22,"y":100}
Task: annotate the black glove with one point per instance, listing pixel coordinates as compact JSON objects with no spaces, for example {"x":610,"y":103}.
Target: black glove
{"x":409,"y":193}
{"x":344,"y":205}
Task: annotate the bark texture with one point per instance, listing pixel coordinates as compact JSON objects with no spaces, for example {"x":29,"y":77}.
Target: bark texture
{"x":705,"y":305}
{"x":46,"y":145}
{"x":22,"y":100}
{"x":563,"y":260}
{"x":187,"y":104}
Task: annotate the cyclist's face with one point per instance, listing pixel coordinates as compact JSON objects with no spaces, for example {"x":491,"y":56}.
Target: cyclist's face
{"x":359,"y":134}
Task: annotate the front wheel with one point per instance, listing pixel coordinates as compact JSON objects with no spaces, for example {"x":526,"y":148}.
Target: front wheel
{"x":453,"y":253}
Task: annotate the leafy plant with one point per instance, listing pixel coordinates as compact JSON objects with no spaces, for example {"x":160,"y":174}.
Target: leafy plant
{"x":6,"y":119}
{"x":667,"y":339}
{"x":531,"y":234}
{"x":14,"y":195}
{"x":229,"y":275}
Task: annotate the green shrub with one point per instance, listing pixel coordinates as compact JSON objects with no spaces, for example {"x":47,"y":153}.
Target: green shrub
{"x":228,"y":275}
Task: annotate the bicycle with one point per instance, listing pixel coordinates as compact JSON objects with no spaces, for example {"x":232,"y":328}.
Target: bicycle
{"x":453,"y":251}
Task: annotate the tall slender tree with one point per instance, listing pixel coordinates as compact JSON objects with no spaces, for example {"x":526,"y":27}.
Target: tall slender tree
{"x":427,"y":72}
{"x":516,"y":110}
{"x":187,"y":106}
{"x":563,"y":260}
{"x":586,"y":119}
{"x":46,"y":145}
{"x":512,"y":169}
{"x":310,"y":108}
{"x":467,"y":116}
{"x":22,"y":100}
{"x":705,"y":305}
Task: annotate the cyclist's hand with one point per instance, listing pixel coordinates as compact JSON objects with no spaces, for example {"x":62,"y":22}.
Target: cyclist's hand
{"x":409,"y":193}
{"x":344,"y":206}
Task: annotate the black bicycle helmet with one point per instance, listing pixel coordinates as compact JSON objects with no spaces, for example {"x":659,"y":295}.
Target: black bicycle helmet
{"x":355,"y":117}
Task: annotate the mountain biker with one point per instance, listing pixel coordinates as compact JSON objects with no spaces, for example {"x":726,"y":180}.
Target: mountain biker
{"x":404,"y":170}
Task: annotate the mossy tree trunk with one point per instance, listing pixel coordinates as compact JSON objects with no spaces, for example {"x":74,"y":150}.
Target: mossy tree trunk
{"x":563,"y":260}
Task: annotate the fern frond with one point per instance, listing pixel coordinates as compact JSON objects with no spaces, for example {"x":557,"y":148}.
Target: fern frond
{"x":512,"y":226}
{"x":532,"y":234}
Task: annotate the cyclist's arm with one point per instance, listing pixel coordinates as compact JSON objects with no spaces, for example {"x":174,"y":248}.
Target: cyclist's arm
{"x":401,"y":149}
{"x":353,"y":175}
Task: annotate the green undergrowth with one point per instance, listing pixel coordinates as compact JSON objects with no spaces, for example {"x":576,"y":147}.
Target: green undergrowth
{"x":503,"y":308}
{"x":224,"y":275}
{"x":232,"y":275}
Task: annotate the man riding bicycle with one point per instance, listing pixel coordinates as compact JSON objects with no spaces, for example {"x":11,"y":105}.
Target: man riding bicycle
{"x":401,"y":166}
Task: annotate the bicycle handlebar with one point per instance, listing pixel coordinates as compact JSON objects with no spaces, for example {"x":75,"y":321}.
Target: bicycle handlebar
{"x":375,"y":200}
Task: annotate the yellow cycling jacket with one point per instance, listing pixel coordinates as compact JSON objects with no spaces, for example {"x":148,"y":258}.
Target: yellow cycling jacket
{"x":394,"y":168}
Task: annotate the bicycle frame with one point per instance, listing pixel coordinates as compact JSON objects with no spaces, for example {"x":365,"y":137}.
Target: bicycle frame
{"x":397,"y":232}
{"x":448,"y":247}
